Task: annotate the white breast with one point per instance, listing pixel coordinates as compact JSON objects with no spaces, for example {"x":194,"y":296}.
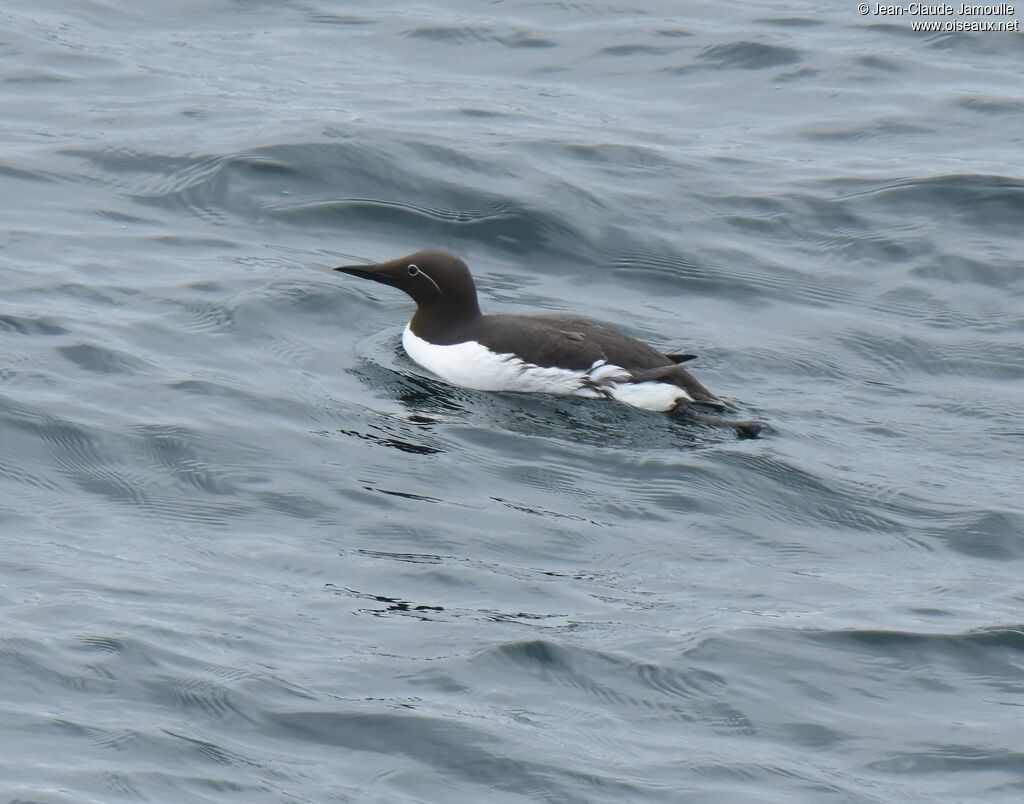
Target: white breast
{"x":473,"y":365}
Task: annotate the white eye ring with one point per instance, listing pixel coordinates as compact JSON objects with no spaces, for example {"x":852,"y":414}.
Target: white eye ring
{"x":413,"y":269}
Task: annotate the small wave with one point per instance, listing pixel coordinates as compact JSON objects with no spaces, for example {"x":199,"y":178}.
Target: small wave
{"x":467,"y":35}
{"x":102,"y":359}
{"x":744,"y":56}
{"x":31,"y":325}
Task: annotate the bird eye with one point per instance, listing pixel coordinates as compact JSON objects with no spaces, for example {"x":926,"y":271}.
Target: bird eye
{"x":413,"y":269}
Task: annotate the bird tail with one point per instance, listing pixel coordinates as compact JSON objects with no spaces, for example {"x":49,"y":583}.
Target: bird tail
{"x":677,"y":375}
{"x":743,"y":429}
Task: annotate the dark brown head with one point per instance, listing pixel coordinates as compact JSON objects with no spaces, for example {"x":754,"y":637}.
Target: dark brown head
{"x":439,"y":283}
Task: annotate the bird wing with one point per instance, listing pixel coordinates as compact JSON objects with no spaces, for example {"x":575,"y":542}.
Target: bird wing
{"x":579,"y":344}
{"x":573,"y":343}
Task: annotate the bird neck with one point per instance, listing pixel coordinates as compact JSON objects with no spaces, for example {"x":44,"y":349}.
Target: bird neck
{"x":438,"y":321}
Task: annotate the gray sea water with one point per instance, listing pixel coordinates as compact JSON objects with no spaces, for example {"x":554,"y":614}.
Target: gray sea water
{"x":250,"y":552}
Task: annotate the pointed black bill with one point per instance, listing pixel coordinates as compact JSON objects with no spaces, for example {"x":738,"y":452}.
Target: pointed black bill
{"x":367,"y":272}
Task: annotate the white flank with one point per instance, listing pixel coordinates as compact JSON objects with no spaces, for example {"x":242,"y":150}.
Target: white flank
{"x":472,"y":365}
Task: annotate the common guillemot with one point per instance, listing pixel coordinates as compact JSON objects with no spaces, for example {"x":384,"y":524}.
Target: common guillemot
{"x":554,"y":354}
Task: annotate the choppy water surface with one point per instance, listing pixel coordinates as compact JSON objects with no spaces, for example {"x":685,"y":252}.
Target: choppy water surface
{"x":252,"y":553}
